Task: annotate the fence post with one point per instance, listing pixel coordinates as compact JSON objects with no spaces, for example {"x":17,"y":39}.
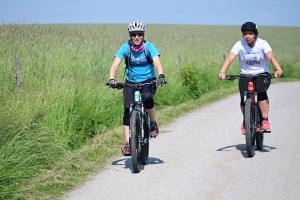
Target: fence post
{"x":19,"y":76}
{"x":178,"y":62}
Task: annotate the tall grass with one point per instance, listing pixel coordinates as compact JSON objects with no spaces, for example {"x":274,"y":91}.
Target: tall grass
{"x":65,"y":104}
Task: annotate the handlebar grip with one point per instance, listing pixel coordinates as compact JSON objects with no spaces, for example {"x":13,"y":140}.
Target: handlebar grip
{"x":273,"y":76}
{"x":230,"y":77}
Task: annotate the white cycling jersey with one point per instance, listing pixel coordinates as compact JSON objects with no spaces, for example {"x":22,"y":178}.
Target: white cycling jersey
{"x":252,"y":60}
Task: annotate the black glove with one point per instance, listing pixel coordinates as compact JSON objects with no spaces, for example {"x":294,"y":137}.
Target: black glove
{"x":160,"y":81}
{"x":112,"y":82}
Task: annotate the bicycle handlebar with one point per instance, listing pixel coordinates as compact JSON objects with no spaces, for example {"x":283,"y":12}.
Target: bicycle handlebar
{"x":232,"y":77}
{"x":135,"y":85}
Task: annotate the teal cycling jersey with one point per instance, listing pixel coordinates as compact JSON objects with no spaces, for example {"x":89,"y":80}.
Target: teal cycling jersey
{"x":138,"y":69}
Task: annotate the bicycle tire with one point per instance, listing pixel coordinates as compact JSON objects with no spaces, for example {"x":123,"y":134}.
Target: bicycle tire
{"x":249,"y":127}
{"x":144,"y":154}
{"x":259,"y":137}
{"x":135,"y":132}
{"x":145,"y":146}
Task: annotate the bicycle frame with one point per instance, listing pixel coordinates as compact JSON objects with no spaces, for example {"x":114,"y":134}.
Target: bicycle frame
{"x":138,"y":105}
{"x":139,"y":126}
{"x":139,"y":133}
{"x":252,"y":114}
{"x":252,"y":94}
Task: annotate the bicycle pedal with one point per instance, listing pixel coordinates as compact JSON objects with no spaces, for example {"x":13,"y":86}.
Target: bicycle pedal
{"x":265,"y":131}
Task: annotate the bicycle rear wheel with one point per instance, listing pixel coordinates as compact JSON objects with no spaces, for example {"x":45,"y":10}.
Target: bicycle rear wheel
{"x":135,"y":141}
{"x":249,"y":127}
{"x":145,"y":146}
{"x":259,"y":137}
{"x":144,"y":154}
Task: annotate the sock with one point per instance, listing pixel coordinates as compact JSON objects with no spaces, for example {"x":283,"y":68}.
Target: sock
{"x":127,"y":143}
{"x":152,"y":122}
{"x":265,"y":118}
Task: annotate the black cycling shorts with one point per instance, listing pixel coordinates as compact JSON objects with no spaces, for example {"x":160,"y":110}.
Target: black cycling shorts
{"x":261,"y":84}
{"x":128,"y":95}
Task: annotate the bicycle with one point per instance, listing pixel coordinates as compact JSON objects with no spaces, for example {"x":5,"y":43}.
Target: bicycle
{"x":252,"y":113}
{"x":139,"y":127}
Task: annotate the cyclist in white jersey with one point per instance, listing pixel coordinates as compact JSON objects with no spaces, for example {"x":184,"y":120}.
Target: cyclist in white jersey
{"x":254,"y":55}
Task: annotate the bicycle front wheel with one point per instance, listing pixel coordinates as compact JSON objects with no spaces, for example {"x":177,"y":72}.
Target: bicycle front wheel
{"x":249,"y":127}
{"x":135,"y":140}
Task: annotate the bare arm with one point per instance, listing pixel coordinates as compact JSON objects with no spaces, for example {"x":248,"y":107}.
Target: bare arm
{"x":274,"y":62}
{"x":114,"y":67}
{"x":158,"y":65}
{"x":226,"y":64}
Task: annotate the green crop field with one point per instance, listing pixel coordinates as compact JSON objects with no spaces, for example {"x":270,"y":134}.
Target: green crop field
{"x":63,"y":124}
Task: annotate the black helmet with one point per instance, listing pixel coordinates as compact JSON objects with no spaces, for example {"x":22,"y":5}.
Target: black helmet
{"x":249,"y":26}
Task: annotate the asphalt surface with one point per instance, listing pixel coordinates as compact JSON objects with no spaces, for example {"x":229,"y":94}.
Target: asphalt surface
{"x":202,"y":156}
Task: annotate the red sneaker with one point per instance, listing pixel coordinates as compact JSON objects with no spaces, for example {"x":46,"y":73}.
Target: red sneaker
{"x":126,"y":150}
{"x":265,"y":125}
{"x":154,"y":129}
{"x":243,"y":129}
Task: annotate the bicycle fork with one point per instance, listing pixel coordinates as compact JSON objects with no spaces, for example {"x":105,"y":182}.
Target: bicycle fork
{"x":143,"y":122}
{"x":145,"y":125}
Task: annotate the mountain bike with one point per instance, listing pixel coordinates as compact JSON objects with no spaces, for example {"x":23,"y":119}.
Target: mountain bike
{"x":252,"y":113}
{"x":139,"y":127}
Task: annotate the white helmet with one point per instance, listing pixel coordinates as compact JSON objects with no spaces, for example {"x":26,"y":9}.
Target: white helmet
{"x":136,"y":26}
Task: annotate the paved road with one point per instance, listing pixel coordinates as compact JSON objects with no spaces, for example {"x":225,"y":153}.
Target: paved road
{"x":203,"y":156}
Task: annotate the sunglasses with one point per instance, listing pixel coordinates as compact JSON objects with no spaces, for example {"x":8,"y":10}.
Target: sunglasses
{"x":136,"y":34}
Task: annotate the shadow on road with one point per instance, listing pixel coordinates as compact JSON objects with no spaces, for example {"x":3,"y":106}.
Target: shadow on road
{"x":127,"y":162}
{"x":242,"y":149}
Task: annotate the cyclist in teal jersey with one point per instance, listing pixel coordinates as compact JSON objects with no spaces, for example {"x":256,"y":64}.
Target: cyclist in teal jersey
{"x":254,"y":55}
{"x":141,"y":57}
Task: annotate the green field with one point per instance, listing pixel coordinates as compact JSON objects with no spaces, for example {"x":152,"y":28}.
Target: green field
{"x":64,"y":124}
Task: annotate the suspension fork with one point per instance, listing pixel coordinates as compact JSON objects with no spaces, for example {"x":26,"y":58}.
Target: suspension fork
{"x":256,"y":114}
{"x":142,"y":120}
{"x":146,"y":128}
{"x":140,"y":108}
{"x":138,"y":105}
{"x":253,"y":95}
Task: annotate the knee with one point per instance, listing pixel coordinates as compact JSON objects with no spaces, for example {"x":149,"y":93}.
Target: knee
{"x":149,"y":103}
{"x":262,"y":96}
{"x":148,"y":99}
{"x":242,"y":99}
{"x":242,"y":103}
{"x":147,"y":95}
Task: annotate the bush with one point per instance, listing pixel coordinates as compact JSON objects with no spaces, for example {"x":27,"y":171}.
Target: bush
{"x":190,"y":77}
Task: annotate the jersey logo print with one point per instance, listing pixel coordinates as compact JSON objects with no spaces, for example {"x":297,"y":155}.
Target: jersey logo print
{"x":251,"y":59}
{"x":139,"y":60}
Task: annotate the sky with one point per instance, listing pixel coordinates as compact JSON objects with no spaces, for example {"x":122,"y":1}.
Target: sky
{"x":203,"y":12}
